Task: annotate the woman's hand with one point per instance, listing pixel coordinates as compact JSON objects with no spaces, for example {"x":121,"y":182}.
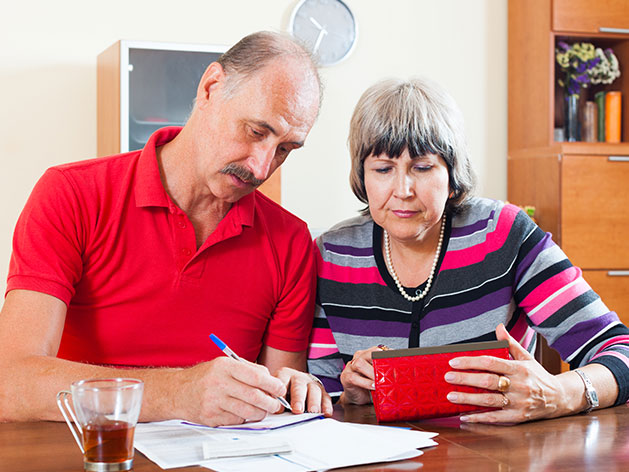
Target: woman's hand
{"x":528,"y":391}
{"x":358,"y":378}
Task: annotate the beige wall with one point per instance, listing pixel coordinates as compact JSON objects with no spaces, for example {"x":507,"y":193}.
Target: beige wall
{"x":48,"y":74}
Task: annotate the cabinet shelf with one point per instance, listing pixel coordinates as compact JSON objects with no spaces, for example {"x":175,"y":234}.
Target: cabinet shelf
{"x":620,"y":45}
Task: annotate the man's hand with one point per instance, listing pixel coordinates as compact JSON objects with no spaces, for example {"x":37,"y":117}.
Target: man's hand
{"x":225,"y":391}
{"x":305,"y":389}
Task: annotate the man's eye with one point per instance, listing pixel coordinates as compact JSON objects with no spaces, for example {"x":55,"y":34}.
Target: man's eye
{"x":256,"y":133}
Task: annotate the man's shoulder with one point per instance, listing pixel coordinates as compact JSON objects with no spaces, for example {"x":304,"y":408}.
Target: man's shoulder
{"x":277,"y":217}
{"x":98,"y":165}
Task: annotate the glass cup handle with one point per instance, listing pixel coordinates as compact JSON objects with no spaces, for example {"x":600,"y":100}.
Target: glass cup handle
{"x":62,"y":400}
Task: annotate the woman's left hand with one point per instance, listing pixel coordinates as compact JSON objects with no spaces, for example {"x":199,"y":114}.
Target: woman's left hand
{"x":524,"y":390}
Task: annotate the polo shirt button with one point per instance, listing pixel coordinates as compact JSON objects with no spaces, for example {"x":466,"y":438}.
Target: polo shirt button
{"x":181,"y":224}
{"x":185,"y":251}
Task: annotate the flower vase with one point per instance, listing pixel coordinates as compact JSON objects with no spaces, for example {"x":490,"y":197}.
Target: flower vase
{"x":572,"y":127}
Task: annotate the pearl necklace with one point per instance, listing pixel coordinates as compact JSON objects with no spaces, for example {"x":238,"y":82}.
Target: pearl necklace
{"x":387,"y":253}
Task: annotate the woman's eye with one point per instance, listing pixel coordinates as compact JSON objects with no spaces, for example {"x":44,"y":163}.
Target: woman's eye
{"x":382,"y":170}
{"x":422,"y":168}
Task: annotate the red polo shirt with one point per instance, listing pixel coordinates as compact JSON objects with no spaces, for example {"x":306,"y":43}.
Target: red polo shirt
{"x":104,"y":237}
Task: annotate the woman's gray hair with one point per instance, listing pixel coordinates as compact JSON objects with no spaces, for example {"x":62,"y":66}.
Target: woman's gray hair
{"x":418,"y":115}
{"x":255,"y":51}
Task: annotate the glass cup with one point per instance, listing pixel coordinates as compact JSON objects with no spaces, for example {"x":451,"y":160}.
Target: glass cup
{"x":105,"y":414}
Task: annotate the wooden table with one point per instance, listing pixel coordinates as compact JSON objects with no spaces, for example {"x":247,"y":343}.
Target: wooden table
{"x":595,"y":442}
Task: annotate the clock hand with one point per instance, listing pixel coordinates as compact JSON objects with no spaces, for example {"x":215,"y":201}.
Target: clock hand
{"x":316,"y":23}
{"x":319,"y":39}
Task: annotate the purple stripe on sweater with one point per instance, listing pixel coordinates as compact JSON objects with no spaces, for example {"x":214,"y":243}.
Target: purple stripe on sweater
{"x":466,"y":311}
{"x":582,"y":333}
{"x":369,"y":327}
{"x":545,"y":243}
{"x":349,"y":250}
{"x":467,"y":230}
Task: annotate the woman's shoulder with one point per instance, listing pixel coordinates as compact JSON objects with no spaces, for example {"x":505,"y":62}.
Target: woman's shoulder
{"x":482,"y":209}
{"x":356,"y":231}
{"x":478,"y":214}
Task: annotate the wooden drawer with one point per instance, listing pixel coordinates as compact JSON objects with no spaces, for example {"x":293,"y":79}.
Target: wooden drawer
{"x":588,"y":16}
{"x":613,"y":287}
{"x":595,"y":211}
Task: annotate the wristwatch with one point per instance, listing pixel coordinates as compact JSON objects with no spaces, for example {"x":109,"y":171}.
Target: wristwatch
{"x":590,"y":394}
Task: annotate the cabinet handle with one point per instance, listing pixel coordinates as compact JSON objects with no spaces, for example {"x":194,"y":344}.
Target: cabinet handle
{"x":618,"y":158}
{"x":618,"y":273}
{"x":604,"y":29}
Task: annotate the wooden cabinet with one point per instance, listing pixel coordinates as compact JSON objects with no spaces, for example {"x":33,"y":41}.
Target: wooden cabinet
{"x":143,"y":86}
{"x":580,"y":190}
{"x":589,"y":16}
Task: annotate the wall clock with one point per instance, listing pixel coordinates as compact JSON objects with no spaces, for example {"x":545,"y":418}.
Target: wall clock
{"x":327,"y":27}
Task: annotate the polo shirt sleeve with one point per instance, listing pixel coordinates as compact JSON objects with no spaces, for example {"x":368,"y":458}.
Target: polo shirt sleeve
{"x":291,"y":322}
{"x":47,"y":255}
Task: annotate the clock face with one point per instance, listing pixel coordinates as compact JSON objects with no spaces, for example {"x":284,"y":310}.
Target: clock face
{"x":327,"y":27}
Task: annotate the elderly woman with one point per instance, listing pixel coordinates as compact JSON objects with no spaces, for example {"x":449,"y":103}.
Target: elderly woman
{"x":427,"y":264}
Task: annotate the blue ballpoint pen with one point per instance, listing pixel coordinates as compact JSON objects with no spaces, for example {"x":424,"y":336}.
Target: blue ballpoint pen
{"x":228,"y":352}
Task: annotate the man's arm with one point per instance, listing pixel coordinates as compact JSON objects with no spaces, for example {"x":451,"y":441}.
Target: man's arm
{"x":222,"y":391}
{"x":304,"y":388}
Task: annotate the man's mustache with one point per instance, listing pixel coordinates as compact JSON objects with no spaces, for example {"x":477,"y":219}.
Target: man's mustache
{"x":242,"y":173}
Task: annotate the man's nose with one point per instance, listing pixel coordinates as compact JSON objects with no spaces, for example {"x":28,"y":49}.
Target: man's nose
{"x":261,"y":160}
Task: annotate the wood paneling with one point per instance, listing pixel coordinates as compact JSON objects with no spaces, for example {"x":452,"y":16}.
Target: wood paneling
{"x":587,"y":16}
{"x":108,"y":101}
{"x":533,"y":179}
{"x":595,"y":211}
{"x":613,"y":287}
{"x":530,"y":66}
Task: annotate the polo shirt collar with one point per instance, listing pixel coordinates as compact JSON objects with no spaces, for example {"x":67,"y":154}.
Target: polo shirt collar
{"x":149,"y":190}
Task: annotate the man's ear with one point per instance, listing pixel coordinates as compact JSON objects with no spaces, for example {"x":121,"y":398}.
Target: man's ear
{"x":212,"y":79}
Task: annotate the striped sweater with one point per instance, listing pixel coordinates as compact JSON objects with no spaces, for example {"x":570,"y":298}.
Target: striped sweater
{"x":496,"y":267}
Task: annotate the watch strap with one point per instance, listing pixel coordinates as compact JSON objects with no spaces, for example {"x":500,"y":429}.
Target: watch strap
{"x":591,"y":397}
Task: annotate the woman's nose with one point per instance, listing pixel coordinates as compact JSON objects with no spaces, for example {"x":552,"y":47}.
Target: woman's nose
{"x":403,"y":186}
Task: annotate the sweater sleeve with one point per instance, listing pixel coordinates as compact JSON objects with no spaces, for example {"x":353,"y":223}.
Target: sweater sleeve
{"x":324,"y":358}
{"x":562,"y":307}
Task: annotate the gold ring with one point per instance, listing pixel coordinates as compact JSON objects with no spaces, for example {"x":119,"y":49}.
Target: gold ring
{"x":503,"y":383}
{"x":505,"y":401}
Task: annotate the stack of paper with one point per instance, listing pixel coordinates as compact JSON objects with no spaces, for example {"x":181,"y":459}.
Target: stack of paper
{"x":314,"y":443}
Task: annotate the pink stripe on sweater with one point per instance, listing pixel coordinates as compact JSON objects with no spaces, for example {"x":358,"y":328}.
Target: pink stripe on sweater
{"x":317,"y":352}
{"x":613,"y":354}
{"x":616,"y":340}
{"x":520,"y":327}
{"x":526,"y":342}
{"x":493,"y":241}
{"x":549,"y":286}
{"x":366,"y":275}
{"x":559,"y":301}
{"x":322,"y":336}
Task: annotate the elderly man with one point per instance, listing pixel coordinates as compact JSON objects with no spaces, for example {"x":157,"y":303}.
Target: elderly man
{"x":123,"y":265}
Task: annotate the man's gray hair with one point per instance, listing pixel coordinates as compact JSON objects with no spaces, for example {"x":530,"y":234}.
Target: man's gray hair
{"x":255,"y":51}
{"x":394,"y":115}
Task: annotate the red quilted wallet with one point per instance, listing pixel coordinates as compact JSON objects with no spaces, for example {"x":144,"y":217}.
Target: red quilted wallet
{"x":410,"y":383}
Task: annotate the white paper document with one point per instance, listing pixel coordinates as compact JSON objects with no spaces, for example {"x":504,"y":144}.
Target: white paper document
{"x":318,"y":444}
